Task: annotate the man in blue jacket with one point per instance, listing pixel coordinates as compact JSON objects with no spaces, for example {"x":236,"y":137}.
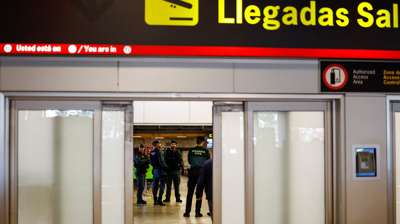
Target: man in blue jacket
{"x":157,"y":161}
{"x":205,"y":181}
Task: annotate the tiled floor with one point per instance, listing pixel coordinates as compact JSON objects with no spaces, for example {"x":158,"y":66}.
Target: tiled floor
{"x":172,"y":213}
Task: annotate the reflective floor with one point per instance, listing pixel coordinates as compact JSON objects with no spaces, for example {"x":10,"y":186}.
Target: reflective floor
{"x":172,"y":213}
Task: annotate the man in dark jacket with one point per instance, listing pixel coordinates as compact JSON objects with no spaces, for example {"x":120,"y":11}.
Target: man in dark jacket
{"x":205,"y":181}
{"x":196,"y":158}
{"x":173,"y":159}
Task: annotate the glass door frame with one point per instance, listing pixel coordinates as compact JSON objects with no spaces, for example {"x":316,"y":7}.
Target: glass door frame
{"x":97,"y":106}
{"x":218,"y":108}
{"x":337,"y":120}
{"x":330,"y":154}
{"x":391,"y":160}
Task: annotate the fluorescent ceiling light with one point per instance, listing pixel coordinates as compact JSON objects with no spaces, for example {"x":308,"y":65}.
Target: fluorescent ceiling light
{"x":181,"y":136}
{"x":159,"y":137}
{"x":137,"y":136}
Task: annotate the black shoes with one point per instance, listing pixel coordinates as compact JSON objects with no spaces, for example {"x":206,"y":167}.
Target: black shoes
{"x":141,"y":202}
{"x":197,"y":215}
{"x":160,"y":203}
{"x":177,"y":200}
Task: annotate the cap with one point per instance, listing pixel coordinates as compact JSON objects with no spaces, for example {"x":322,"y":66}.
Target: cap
{"x":200,"y":138}
{"x":141,"y":145}
{"x":173,"y":141}
{"x":156,"y":141}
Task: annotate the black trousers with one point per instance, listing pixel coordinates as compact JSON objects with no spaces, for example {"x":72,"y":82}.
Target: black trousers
{"x":194,"y":174}
{"x":210,"y":206}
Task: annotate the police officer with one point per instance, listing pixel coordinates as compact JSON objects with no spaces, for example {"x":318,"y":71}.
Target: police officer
{"x":173,"y":159}
{"x":141,"y":165}
{"x":159,"y":176}
{"x":196,"y":158}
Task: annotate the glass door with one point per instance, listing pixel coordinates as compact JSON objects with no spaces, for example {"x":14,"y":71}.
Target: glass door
{"x":288,"y":163}
{"x":117,"y":163}
{"x":54,"y":177}
{"x":71,"y":162}
{"x":228,"y":163}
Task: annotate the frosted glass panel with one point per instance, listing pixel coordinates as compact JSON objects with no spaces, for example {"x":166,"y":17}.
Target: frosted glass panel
{"x":113,"y":185}
{"x":232,"y":168}
{"x":289,"y":167}
{"x":55,"y":166}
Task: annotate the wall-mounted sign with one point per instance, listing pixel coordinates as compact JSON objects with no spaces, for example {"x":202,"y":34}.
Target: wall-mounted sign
{"x":359,"y":76}
{"x":255,"y":28}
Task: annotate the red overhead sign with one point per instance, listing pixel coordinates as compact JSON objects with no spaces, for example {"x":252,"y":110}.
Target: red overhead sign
{"x":90,"y":49}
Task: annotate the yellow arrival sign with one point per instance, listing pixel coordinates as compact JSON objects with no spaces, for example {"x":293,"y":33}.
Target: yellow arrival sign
{"x":172,"y":12}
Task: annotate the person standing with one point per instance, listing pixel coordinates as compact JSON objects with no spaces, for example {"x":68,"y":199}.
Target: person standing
{"x":205,"y":181}
{"x":141,"y":165}
{"x":196,"y":158}
{"x":173,"y":159}
{"x":157,"y":161}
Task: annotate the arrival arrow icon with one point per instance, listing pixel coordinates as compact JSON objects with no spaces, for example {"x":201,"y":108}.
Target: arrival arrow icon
{"x":92,"y":11}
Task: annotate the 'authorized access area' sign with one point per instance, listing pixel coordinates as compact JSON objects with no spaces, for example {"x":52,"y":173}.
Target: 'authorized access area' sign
{"x":358,"y":76}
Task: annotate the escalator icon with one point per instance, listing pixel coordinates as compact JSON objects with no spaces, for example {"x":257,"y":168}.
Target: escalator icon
{"x":172,"y":12}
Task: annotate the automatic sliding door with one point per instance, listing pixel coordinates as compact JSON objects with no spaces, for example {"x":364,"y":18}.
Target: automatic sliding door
{"x":228,"y":164}
{"x":53,"y":166}
{"x":117,"y":164}
{"x":72,"y":162}
{"x":291,"y":164}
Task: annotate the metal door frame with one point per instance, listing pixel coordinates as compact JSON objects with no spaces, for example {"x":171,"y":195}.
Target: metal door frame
{"x":392,"y":106}
{"x":97,"y":107}
{"x":338,"y":129}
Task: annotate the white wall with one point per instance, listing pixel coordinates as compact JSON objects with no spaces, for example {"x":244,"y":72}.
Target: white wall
{"x":159,"y":75}
{"x":82,"y":76}
{"x":173,"y":112}
{"x":366,"y":124}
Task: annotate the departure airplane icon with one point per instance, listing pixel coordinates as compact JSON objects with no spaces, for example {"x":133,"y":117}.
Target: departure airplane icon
{"x":180,"y":3}
{"x":172,"y":12}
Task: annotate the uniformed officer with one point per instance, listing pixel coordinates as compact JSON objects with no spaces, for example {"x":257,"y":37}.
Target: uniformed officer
{"x":173,"y":159}
{"x":196,"y":158}
{"x":159,"y":176}
{"x":141,"y":165}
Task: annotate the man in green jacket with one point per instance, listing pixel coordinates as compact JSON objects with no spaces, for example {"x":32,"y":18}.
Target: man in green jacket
{"x":141,"y":165}
{"x":173,"y":159}
{"x":196,"y":158}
